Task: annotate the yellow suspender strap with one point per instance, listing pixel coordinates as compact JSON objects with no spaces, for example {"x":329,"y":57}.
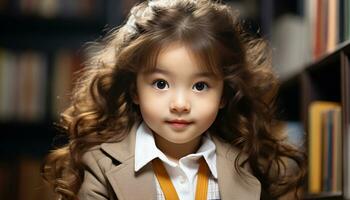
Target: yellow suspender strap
{"x":202,"y":180}
{"x":168,"y":188}
{"x":164,"y":180}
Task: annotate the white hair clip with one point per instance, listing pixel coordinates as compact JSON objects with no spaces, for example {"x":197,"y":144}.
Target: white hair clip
{"x":161,"y":3}
{"x":151,"y":3}
{"x":131,"y":24}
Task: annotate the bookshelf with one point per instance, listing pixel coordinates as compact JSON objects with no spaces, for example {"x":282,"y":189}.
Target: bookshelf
{"x":46,"y":32}
{"x":311,"y":55}
{"x":325,"y":79}
{"x":32,"y":36}
{"x":41,"y":42}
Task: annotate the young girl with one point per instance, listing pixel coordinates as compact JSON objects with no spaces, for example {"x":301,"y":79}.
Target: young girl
{"x":177,"y":103}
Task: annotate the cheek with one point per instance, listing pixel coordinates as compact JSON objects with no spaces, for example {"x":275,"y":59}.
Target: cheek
{"x":207,"y":112}
{"x":207,"y":109}
{"x":151,"y":106}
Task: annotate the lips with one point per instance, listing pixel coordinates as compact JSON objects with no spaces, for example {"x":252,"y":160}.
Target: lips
{"x":178,"y":123}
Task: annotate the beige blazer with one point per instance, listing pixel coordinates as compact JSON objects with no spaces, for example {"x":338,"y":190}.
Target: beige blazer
{"x":110,"y":174}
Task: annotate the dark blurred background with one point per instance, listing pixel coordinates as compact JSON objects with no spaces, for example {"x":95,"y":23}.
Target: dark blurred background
{"x":41,"y":45}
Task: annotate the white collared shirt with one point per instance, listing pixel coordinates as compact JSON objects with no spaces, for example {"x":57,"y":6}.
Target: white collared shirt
{"x":183,"y":174}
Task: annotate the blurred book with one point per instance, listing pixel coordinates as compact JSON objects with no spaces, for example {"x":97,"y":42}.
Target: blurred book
{"x":299,"y":40}
{"x":329,"y":19}
{"x":325,"y":144}
{"x":66,"y":63}
{"x":8,"y":84}
{"x":31,"y":86}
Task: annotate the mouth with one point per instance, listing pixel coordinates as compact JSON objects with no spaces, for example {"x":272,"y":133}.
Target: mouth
{"x":179,"y":123}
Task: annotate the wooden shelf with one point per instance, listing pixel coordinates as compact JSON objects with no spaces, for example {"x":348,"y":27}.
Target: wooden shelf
{"x":324,"y":196}
{"x":326,"y":79}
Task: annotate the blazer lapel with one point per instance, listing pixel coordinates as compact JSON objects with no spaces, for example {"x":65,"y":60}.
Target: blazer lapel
{"x":232,"y":185}
{"x":129,"y":185}
{"x":126,"y":183}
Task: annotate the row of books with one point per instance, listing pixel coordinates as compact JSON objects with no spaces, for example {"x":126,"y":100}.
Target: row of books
{"x":53,"y":8}
{"x":330,"y":21}
{"x":298,"y":40}
{"x":28,"y":83}
{"x":20,"y":179}
{"x":325,"y":147}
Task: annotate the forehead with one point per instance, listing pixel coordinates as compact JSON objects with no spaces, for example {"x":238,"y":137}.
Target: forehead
{"x":180,"y":56}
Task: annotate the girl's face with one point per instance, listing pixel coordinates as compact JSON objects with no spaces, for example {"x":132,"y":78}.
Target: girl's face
{"x":178,"y":100}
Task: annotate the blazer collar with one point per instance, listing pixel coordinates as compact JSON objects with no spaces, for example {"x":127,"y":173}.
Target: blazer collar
{"x":141,"y":185}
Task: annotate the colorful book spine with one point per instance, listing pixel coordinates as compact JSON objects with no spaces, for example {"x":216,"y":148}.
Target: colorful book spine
{"x":324,"y":147}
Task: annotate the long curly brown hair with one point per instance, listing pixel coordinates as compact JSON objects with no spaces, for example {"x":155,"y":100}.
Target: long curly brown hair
{"x":102,"y":109}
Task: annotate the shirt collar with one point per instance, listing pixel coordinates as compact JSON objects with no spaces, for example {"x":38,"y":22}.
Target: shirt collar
{"x":146,"y":150}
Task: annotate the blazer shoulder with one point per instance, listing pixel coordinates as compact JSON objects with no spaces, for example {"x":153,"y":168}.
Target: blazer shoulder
{"x":95,"y":156}
{"x":95,"y":184}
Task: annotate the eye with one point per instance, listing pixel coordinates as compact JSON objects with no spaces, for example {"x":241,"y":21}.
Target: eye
{"x":200,"y":86}
{"x":160,"y":84}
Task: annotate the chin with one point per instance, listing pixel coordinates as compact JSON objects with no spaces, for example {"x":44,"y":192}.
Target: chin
{"x":180,"y":141}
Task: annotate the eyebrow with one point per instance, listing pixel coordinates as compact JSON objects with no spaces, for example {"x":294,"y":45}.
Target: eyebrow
{"x":165,"y":72}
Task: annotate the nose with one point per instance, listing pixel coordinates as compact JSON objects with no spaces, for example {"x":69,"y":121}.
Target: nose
{"x":180,"y":103}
